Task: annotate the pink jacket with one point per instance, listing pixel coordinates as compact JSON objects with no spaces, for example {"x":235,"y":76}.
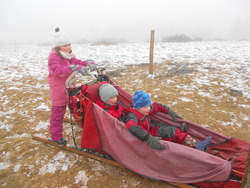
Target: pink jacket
{"x":59,"y":71}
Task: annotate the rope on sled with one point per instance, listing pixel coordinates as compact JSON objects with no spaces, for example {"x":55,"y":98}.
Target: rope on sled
{"x":72,"y":129}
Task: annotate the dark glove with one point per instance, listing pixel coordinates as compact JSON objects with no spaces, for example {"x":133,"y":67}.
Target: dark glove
{"x":183,"y":127}
{"x":173,"y":114}
{"x":102,"y":78}
{"x":75,"y":91}
{"x":154,"y":142}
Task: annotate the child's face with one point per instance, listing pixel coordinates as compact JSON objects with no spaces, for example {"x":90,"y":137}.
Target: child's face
{"x":66,"y":48}
{"x":112,"y":101}
{"x":144,"y":110}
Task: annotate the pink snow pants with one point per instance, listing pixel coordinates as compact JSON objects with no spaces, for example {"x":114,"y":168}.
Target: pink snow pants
{"x":56,"y":122}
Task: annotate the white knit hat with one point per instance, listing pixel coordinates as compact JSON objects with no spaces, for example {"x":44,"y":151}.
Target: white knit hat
{"x":60,"y":38}
{"x":106,"y":92}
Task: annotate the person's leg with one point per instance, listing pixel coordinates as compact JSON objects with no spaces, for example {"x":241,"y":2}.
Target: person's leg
{"x":171,"y":133}
{"x":201,"y":145}
{"x":167,"y":132}
{"x":56,"y":122}
{"x":190,"y":141}
{"x":194,"y":143}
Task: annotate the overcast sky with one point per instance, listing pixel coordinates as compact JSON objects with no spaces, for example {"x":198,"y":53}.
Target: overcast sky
{"x":132,"y":20}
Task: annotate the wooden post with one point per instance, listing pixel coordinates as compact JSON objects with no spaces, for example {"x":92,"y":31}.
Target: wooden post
{"x":151,"y":53}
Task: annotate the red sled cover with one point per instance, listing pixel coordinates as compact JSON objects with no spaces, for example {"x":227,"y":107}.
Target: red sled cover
{"x":222,"y":165}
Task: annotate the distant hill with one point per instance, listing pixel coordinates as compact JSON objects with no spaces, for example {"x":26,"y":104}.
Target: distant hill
{"x":180,"y":38}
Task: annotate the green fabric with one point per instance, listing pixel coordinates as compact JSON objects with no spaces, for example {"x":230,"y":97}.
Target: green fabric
{"x":154,"y":142}
{"x":173,"y":114}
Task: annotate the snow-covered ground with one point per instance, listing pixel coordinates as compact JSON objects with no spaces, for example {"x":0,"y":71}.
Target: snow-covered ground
{"x":232,"y":57}
{"x":229,"y":60}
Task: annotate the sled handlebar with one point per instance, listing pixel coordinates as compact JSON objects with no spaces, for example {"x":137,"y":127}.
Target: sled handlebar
{"x":99,"y":77}
{"x":71,"y":79}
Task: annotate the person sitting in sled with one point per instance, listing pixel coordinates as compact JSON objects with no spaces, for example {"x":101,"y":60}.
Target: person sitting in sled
{"x":139,"y":124}
{"x":61,"y":63}
{"x":108,"y":101}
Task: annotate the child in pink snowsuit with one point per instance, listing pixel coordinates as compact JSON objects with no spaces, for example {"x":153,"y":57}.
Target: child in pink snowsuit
{"x":61,"y":63}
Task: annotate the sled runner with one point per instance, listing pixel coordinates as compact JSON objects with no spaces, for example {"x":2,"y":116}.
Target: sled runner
{"x":85,"y":153}
{"x":222,"y":165}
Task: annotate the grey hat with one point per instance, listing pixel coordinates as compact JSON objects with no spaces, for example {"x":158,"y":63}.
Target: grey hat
{"x":106,"y":92}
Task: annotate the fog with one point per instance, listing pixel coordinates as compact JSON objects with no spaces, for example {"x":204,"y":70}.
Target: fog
{"x":34,"y":21}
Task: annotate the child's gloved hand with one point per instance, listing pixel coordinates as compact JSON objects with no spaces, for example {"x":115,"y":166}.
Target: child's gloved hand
{"x":79,"y":68}
{"x":92,"y":65}
{"x":75,"y":91}
{"x":154,"y":142}
{"x":173,"y":114}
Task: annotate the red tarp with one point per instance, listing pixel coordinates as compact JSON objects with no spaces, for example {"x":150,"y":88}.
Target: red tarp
{"x":177,"y":163}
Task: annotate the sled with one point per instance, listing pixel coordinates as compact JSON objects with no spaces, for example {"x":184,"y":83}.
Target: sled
{"x":222,"y":165}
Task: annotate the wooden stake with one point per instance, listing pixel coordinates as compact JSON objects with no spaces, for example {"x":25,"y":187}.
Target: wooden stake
{"x":151,"y":53}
